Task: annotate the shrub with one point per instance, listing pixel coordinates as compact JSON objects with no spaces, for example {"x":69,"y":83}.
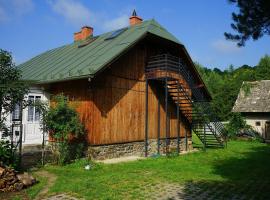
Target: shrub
{"x":7,"y":154}
{"x":66,"y":130}
{"x":236,"y":124}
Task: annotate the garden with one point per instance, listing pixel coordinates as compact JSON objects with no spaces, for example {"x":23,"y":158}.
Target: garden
{"x":239,"y":171}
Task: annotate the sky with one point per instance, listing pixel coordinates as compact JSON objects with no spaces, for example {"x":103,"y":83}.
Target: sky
{"x":30,"y":27}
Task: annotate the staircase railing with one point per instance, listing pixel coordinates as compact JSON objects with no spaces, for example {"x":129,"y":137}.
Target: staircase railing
{"x":202,"y":112}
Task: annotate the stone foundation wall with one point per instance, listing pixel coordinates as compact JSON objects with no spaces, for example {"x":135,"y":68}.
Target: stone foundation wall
{"x":32,"y":156}
{"x":102,"y":152}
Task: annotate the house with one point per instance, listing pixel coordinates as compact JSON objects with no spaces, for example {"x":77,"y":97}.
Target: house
{"x":135,"y":89}
{"x":253,"y":102}
{"x":31,"y":128}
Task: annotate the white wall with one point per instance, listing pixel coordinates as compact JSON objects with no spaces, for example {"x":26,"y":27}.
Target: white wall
{"x":251,"y":120}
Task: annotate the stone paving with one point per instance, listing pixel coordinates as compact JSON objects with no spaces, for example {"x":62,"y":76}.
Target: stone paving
{"x":207,"y":191}
{"x":193,"y":191}
{"x":62,"y":197}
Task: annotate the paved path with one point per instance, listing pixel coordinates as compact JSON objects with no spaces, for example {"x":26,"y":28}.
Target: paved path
{"x":206,"y":191}
{"x":51,"y":178}
{"x":61,"y":197}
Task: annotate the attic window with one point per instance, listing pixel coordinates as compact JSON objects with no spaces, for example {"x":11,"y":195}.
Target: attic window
{"x":116,"y":33}
{"x":87,"y":41}
{"x":258,"y":123}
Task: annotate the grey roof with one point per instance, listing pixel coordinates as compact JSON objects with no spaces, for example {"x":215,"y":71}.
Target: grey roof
{"x":253,"y":97}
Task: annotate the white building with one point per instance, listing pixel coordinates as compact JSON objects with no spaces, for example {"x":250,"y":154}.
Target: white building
{"x":253,"y":102}
{"x":31,"y":124}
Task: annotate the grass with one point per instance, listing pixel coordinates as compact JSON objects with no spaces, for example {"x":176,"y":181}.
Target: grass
{"x":32,"y":192}
{"x":242,"y":168}
{"x":240,"y":164}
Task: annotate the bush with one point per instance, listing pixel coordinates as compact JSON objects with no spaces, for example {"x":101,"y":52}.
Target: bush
{"x":66,"y":130}
{"x":236,"y":125}
{"x":7,"y":154}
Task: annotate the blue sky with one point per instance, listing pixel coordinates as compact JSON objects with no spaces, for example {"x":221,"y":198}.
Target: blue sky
{"x":30,"y":27}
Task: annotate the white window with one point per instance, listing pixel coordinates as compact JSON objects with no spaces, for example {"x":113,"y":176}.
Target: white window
{"x":33,"y":112}
{"x":16,"y":113}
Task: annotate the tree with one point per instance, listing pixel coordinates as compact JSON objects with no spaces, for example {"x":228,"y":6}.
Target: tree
{"x":224,"y":85}
{"x":12,"y":88}
{"x":252,"y":21}
{"x":263,"y":68}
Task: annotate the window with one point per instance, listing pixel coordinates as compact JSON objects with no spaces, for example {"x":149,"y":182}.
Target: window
{"x":31,"y":109}
{"x":37,"y":112}
{"x":16,"y":113}
{"x":33,"y":112}
{"x":116,"y":33}
{"x":258,"y":123}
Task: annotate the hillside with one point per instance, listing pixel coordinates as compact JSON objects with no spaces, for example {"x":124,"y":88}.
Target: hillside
{"x":224,"y":85}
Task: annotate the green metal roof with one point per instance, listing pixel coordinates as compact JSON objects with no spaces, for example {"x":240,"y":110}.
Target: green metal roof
{"x":72,"y":62}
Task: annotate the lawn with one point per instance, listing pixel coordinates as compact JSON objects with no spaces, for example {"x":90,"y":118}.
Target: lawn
{"x":242,"y":169}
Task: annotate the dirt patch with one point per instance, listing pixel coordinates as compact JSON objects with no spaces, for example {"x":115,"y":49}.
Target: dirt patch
{"x":121,"y":159}
{"x":51,"y":178}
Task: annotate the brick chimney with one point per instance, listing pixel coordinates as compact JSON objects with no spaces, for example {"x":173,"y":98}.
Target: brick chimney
{"x":134,"y":19}
{"x":86,"y":31}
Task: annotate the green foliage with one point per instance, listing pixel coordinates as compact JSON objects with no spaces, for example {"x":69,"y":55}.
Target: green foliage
{"x":236,"y":124}
{"x":7,"y":156}
{"x":224,"y":85}
{"x":62,"y":120}
{"x":12,"y":88}
{"x":64,"y":126}
{"x":263,"y":68}
{"x":246,"y":87}
{"x":252,"y":21}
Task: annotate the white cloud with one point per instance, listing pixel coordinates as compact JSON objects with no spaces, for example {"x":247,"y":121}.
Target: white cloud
{"x":78,"y":14}
{"x":73,"y":11}
{"x":13,"y":9}
{"x":116,"y":23}
{"x":225,"y":46}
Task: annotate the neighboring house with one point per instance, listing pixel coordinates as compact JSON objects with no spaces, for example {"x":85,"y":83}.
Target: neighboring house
{"x":134,"y":89}
{"x":31,"y":123}
{"x":253,"y":102}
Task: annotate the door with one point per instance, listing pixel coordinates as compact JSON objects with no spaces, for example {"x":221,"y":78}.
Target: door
{"x":32,"y":129}
{"x":267,"y":130}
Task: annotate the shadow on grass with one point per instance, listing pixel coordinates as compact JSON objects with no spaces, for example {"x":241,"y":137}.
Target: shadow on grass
{"x":245,"y":176}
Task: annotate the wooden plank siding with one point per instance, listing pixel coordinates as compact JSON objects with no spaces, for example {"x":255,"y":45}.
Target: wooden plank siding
{"x":112,"y":105}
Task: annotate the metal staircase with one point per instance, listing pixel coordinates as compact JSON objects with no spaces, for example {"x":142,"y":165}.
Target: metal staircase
{"x":179,"y":83}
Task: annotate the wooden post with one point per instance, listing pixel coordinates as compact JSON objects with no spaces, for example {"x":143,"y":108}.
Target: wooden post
{"x":146,"y":117}
{"x":158,"y":131}
{"x":186,"y":145}
{"x":166,"y":114}
{"x":20,"y":139}
{"x":204,"y":138}
{"x":178,"y":125}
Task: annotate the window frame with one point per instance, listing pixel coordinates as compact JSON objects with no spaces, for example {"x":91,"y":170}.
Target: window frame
{"x":33,"y":114}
